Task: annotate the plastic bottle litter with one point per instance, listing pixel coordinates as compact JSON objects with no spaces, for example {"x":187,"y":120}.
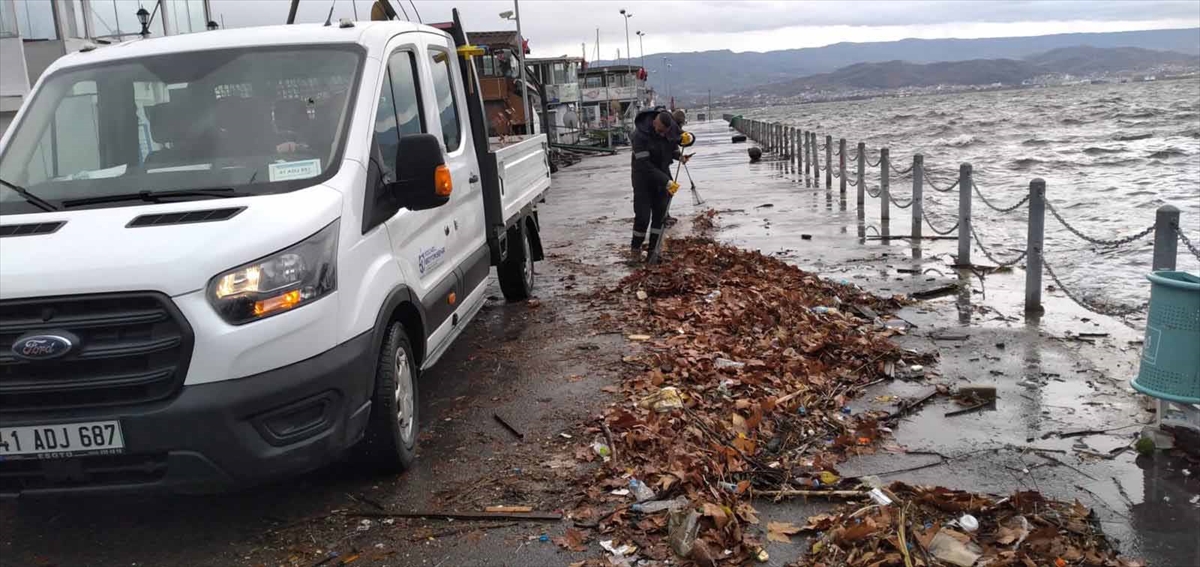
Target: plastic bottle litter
{"x":712,"y":296}
{"x":823,"y":310}
{"x":728,"y":486}
{"x":682,"y":528}
{"x":641,"y":492}
{"x":601,"y":449}
{"x":664,"y":400}
{"x":968,"y":523}
{"x":723,"y":363}
{"x":655,"y":506}
{"x":543,"y":538}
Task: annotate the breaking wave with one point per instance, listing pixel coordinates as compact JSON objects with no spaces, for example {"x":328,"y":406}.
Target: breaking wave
{"x":1132,"y":137}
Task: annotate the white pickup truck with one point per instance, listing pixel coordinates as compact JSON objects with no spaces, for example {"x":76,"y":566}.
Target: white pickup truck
{"x":227,"y":256}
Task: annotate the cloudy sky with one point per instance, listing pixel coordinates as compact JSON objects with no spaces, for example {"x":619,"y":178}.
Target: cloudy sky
{"x":559,"y":27}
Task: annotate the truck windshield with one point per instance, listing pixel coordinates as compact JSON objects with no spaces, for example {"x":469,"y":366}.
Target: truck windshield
{"x":255,"y":121}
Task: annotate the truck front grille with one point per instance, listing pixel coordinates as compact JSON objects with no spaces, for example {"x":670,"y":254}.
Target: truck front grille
{"x":132,"y":348}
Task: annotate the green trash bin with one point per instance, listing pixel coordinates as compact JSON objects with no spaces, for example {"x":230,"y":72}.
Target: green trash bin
{"x":1170,"y":366}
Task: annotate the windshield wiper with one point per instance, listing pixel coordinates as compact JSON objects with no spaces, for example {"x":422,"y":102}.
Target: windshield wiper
{"x":34,"y":199}
{"x":155,"y":196}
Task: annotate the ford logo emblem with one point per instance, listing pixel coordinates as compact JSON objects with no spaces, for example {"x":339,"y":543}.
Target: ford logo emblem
{"x":44,"y":347}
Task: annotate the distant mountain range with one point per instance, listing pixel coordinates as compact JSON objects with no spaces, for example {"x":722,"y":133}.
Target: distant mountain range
{"x":692,"y":75}
{"x":1078,"y":61}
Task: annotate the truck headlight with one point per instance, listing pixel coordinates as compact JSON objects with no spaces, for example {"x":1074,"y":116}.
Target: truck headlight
{"x":280,"y":282}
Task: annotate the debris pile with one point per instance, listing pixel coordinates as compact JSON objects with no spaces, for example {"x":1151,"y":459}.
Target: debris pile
{"x":743,"y":371}
{"x":926,"y":526}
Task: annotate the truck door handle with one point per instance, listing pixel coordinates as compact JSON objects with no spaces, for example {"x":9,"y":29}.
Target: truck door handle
{"x":474,"y":178}
{"x":447,"y":227}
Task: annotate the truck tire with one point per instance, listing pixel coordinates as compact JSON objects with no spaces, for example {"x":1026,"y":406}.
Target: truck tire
{"x":516,"y":271}
{"x":391,"y":438}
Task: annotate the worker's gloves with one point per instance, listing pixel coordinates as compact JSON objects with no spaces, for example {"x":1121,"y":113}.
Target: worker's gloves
{"x":672,"y":187}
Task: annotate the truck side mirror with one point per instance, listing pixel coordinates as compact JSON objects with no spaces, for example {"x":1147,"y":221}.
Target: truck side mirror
{"x":422,"y":178}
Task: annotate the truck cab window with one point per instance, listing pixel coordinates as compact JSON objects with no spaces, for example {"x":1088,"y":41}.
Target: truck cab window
{"x":447,"y":104}
{"x":255,"y":120}
{"x":399,"y":112}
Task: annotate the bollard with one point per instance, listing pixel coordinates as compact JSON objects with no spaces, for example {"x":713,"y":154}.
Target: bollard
{"x":796,"y":148}
{"x":805,"y":157}
{"x":964,"y":215}
{"x":885,"y":203}
{"x":1033,"y":246}
{"x":862,"y":174}
{"x":1166,"y":220}
{"x":816,"y":158}
{"x":842,"y":169}
{"x":828,"y":162}
{"x":918,"y":173}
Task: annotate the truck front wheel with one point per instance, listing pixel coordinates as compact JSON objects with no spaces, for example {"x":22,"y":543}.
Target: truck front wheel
{"x":391,"y":439}
{"x":516,"y":271}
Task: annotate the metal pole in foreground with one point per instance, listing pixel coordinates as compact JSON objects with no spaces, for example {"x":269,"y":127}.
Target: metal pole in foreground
{"x":918,"y":169}
{"x":862,"y":174}
{"x":964,"y":215}
{"x":799,"y":157}
{"x":885,"y":204}
{"x":828,"y":162}
{"x":842,"y":169}
{"x":527,"y":104}
{"x":1166,"y":243}
{"x":1033,"y":246}
{"x":816,"y":158}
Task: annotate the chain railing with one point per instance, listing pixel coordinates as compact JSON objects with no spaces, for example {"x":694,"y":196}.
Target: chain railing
{"x":1099,"y":241}
{"x":934,"y":227}
{"x":1097,"y":308}
{"x":1186,"y":242}
{"x":934,"y":186}
{"x":900,"y":204}
{"x":809,"y":146}
{"x":1000,"y":263}
{"x":1002,"y":210}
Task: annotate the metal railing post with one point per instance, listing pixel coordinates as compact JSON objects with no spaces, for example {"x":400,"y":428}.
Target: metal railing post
{"x":964,"y":215}
{"x":828,"y":162}
{"x":1033,"y":245}
{"x":862,"y":174}
{"x":796,"y":148}
{"x":842,"y":168}
{"x":804,"y":157}
{"x":885,"y":204}
{"x":918,"y":171}
{"x":816,"y":158}
{"x":1166,"y":244}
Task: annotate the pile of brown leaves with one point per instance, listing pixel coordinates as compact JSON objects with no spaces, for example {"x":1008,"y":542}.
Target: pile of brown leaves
{"x":763,"y":379}
{"x":1023,"y":530}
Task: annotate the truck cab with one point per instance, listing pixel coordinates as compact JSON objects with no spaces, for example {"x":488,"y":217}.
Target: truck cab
{"x":228,"y":256}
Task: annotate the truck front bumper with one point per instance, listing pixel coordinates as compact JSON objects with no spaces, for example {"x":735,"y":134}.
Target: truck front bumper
{"x":216,"y":436}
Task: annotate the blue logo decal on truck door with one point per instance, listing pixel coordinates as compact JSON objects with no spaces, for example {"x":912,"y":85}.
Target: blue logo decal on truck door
{"x":430,"y":258}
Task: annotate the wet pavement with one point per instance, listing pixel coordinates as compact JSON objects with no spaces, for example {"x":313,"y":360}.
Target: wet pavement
{"x":543,"y":368}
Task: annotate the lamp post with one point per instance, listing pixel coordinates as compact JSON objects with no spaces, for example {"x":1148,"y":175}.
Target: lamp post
{"x":667,"y":71}
{"x":628,"y":59}
{"x":642,"y":48}
{"x":526,"y":106}
{"x":144,"y":18}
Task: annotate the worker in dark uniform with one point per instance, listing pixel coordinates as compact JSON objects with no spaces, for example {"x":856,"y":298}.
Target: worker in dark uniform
{"x":654,"y":142}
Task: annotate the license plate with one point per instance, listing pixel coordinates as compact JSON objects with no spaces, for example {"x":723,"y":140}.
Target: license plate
{"x":61,"y":440}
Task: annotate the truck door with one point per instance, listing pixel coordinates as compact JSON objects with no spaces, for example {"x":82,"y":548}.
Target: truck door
{"x":420,"y":239}
{"x":467,"y":248}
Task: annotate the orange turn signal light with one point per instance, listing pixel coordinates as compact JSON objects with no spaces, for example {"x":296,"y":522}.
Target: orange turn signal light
{"x":442,"y":182}
{"x":452,"y":298}
{"x":277,"y":303}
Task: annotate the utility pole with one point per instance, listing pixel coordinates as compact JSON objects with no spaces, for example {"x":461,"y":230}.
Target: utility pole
{"x":628,"y":52}
{"x":526,"y":104}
